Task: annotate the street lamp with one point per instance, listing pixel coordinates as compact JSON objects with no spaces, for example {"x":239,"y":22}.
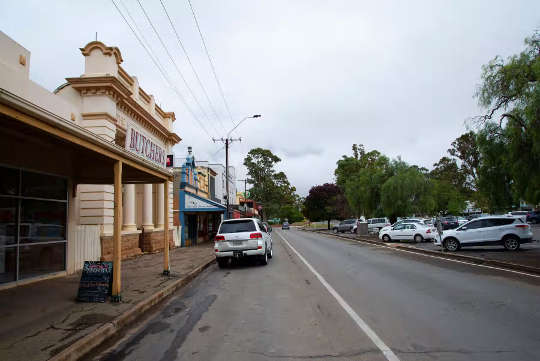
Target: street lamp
{"x":228,"y":141}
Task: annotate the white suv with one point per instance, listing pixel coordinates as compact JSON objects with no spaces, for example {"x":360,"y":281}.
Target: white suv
{"x":507,"y":231}
{"x":242,"y":237}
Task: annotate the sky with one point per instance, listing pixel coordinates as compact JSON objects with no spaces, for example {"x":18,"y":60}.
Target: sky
{"x":395,"y":76}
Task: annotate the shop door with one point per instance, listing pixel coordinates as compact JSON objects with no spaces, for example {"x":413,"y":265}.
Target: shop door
{"x":192,"y":229}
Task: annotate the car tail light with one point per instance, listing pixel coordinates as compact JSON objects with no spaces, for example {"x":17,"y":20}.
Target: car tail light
{"x":255,"y":235}
{"x":428,"y":231}
{"x":216,"y":250}
{"x":522,"y":226}
{"x":259,"y":247}
{"x":387,"y":224}
{"x":220,"y":238}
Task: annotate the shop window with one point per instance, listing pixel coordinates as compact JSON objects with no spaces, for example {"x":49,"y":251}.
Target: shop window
{"x":33,"y":214}
{"x":39,"y":259}
{"x":10,"y":181}
{"x":43,"y":186}
{"x":8,"y":264}
{"x":8,"y":219}
{"x":42,"y":221}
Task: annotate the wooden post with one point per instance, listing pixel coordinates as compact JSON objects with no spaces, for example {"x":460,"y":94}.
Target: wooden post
{"x":117,"y":233}
{"x":166,"y":266}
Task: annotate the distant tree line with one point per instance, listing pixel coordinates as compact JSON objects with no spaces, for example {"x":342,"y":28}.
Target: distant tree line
{"x":495,"y":165}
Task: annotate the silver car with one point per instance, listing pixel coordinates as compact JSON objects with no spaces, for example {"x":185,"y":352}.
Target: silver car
{"x":242,"y":237}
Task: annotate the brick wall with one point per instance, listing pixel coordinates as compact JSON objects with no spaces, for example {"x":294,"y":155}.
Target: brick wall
{"x":130,"y":246}
{"x":153,"y":241}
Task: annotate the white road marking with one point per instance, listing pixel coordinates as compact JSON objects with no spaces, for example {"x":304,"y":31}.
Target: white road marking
{"x":387,"y":352}
{"x":444,"y":258}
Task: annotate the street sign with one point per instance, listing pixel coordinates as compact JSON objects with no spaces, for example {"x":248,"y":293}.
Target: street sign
{"x":96,"y":281}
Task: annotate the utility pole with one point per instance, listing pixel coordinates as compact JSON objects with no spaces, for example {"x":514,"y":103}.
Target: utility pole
{"x":228,"y":140}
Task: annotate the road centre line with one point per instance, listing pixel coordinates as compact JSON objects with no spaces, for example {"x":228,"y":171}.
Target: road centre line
{"x":387,"y":352}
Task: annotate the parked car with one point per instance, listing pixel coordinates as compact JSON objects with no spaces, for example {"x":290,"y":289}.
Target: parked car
{"x":376,"y":224}
{"x":448,"y":222}
{"x":462,"y":220}
{"x":407,"y":231}
{"x":345,"y":226}
{"x":510,"y":232}
{"x":521,"y":214}
{"x":285,"y":225}
{"x":242,"y":237}
{"x":533,"y":217}
{"x":403,"y":221}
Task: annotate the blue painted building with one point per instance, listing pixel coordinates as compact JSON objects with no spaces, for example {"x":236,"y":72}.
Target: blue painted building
{"x":199,"y":216}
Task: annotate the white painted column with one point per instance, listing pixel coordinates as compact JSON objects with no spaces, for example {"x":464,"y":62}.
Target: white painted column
{"x":129,"y":208}
{"x":147,"y":221}
{"x":160,"y":206}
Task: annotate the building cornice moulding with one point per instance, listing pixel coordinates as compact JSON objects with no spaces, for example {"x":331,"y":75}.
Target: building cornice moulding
{"x":106,"y":50}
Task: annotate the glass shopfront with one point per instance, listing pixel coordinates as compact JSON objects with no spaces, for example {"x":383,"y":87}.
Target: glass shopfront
{"x":33,"y":215}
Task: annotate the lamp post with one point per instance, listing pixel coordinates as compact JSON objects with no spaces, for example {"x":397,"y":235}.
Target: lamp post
{"x":228,"y":140}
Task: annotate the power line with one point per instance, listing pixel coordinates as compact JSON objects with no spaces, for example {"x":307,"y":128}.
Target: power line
{"x":162,"y":71}
{"x":174,"y":63}
{"x":211,"y":62}
{"x":191,"y":64}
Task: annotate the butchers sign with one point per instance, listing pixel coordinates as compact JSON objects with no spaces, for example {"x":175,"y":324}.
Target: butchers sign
{"x":141,"y":144}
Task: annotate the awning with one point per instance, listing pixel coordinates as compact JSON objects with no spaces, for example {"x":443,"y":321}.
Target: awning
{"x":190,"y":202}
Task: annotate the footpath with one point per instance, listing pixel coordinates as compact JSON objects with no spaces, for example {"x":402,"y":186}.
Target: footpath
{"x":43,"y":320}
{"x":526,"y":259}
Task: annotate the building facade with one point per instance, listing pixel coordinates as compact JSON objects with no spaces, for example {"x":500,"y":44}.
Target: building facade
{"x":221,"y":186}
{"x":198,"y":215}
{"x":83,"y":173}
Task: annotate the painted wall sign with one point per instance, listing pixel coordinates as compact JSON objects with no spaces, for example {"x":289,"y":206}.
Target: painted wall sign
{"x":142,"y":144}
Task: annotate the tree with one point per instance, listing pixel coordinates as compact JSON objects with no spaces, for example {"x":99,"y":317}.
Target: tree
{"x":407,"y":192}
{"x":510,"y":93}
{"x":324,"y":203}
{"x":269,"y":187}
{"x":494,"y":177}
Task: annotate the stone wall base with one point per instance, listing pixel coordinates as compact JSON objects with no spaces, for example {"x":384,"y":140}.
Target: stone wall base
{"x":152,"y":241}
{"x":130,"y":246}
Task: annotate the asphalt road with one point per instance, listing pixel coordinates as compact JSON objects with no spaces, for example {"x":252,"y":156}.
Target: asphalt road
{"x":366,"y":298}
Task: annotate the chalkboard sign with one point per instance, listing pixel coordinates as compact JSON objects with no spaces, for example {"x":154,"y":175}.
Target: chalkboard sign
{"x":96,"y":281}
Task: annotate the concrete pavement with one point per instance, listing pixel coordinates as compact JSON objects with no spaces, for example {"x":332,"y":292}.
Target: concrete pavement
{"x":422,"y":308}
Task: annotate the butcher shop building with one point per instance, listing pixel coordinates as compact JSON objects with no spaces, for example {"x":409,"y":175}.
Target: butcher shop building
{"x":82,"y":169}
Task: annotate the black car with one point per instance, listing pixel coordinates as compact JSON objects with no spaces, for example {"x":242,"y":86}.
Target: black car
{"x":533,"y":217}
{"x":448,"y":222}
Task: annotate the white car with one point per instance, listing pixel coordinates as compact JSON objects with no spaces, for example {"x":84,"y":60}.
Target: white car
{"x":242,"y":237}
{"x":376,"y":224}
{"x":403,"y":221}
{"x":494,"y":230}
{"x":462,"y":220}
{"x":407,"y":231}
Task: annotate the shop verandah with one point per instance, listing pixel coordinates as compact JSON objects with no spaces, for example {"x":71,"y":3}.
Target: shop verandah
{"x":36,"y":144}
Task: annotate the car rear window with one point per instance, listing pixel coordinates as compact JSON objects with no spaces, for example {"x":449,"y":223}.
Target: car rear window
{"x":237,"y":226}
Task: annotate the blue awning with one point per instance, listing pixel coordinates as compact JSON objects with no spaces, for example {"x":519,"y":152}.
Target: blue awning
{"x":190,"y":202}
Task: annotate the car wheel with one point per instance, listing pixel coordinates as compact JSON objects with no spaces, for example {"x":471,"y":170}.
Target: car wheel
{"x":271,"y":254}
{"x":451,"y":244}
{"x":386,"y":238}
{"x":418,"y":238}
{"x":511,"y":243}
{"x":335,"y":230}
{"x":264,"y":259}
{"x":222,"y":262}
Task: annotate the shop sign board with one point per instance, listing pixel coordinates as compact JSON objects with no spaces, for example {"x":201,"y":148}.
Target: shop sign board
{"x":96,"y":281}
{"x":195,"y":203}
{"x":140,"y":143}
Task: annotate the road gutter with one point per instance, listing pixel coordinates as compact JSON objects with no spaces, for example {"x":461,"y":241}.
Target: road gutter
{"x":95,"y":338}
{"x":505,"y":266}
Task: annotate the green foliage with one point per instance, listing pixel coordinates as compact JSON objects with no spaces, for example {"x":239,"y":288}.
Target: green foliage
{"x":510,"y":92}
{"x":407,"y":192}
{"x":270,"y":188}
{"x":324,"y":203}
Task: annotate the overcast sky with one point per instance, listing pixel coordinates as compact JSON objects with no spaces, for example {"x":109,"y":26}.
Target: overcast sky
{"x":396,"y":76}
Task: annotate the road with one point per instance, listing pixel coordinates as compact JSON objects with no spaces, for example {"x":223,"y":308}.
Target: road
{"x":366,"y":298}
